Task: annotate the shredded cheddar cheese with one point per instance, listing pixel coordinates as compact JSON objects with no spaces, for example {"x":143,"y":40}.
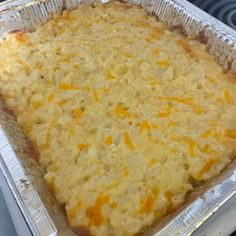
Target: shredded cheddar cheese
{"x":108,"y":140}
{"x":163,"y":63}
{"x":83,"y":146}
{"x":78,"y":112}
{"x":192,"y":145}
{"x":197,"y":109}
{"x":109,"y":75}
{"x":127,"y":140}
{"x":155,"y":52}
{"x":144,"y":126}
{"x":114,"y":205}
{"x":21,"y":37}
{"x":37,"y":104}
{"x":121,"y":111}
{"x":206,"y":134}
{"x":230,"y":133}
{"x":208,"y":165}
{"x":126,"y":172}
{"x":95,"y":212}
{"x":147,"y":205}
{"x":67,"y":87}
{"x":228,"y":96}
{"x":50,"y":98}
{"x":186,"y":46}
{"x":95,"y":95}
{"x":74,"y":210}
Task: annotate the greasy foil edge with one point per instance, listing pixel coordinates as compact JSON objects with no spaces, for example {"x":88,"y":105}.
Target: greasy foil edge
{"x":13,"y":147}
{"x":193,"y":214}
{"x":23,"y":191}
{"x":18,"y":162}
{"x":26,"y":15}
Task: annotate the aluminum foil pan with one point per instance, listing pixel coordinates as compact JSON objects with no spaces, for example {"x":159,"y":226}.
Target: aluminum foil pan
{"x":18,"y":160}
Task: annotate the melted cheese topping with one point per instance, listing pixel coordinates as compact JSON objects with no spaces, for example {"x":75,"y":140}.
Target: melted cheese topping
{"x":124,"y":113}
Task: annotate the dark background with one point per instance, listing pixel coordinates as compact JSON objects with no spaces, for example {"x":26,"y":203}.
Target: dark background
{"x":224,"y":10}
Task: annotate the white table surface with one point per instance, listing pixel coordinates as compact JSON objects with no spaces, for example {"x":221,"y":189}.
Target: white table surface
{"x":6,"y":225}
{"x":222,"y":223}
{"x":12,"y":222}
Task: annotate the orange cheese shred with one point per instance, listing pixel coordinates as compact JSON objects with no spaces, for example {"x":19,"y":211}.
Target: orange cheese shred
{"x":191,"y":147}
{"x":153,"y":162}
{"x":78,"y":112}
{"x":164,"y":114}
{"x":228,"y":96}
{"x":63,"y":86}
{"x":169,"y":196}
{"x":152,"y":36}
{"x":186,"y":46}
{"x":208,"y":165}
{"x":212,"y":80}
{"x":163,"y":63}
{"x":122,"y":112}
{"x":109,"y":75}
{"x":94,"y":213}
{"x":114,"y":205}
{"x":206,"y":134}
{"x":108,"y":140}
{"x":126,"y":172}
{"x":51,"y":97}
{"x":148,"y":204}
{"x":37,"y":105}
{"x":156,"y":52}
{"x":207,"y":149}
{"x":230,"y":133}
{"x":190,"y":142}
{"x":127,"y":140}
{"x":52,"y":184}
{"x":197,"y":109}
{"x":144,"y":126}
{"x":83,"y":146}
{"x":20,"y":36}
{"x":61,"y":103}
{"x":95,"y":95}
{"x":73,"y":212}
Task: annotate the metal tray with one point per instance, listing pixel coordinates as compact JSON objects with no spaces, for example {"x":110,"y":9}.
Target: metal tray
{"x":24,"y":176}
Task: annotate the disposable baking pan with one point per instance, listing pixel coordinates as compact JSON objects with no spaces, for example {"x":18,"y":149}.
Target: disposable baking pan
{"x":24,"y":176}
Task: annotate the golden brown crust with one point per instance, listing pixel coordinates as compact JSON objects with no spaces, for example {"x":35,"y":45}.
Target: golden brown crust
{"x":14,"y":132}
{"x":231,"y":76}
{"x":81,"y":231}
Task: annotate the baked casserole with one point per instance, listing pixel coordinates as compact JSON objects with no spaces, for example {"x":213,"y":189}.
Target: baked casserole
{"x":126,"y":115}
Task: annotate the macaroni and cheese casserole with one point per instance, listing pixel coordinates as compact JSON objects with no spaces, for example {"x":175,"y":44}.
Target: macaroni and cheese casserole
{"x":126,"y":115}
